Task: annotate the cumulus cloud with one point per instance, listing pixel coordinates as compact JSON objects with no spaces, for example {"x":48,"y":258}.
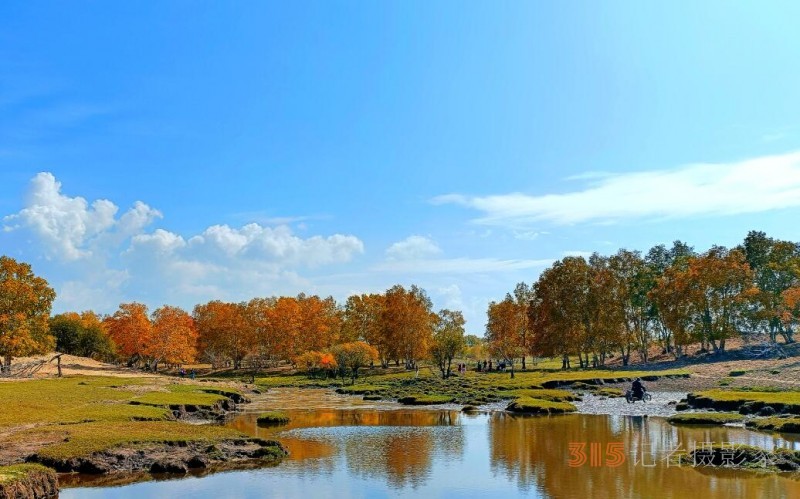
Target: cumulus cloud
{"x":413,"y":248}
{"x":70,"y":226}
{"x":105,"y":256}
{"x":750,"y":186}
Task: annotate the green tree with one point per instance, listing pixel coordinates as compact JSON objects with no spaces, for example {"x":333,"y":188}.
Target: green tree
{"x":448,"y":339}
{"x":83,"y":335}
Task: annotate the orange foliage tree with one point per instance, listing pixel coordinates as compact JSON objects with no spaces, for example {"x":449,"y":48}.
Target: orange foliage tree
{"x":353,"y":356}
{"x":130,"y":329}
{"x":174,"y":337}
{"x":224,"y":332}
{"x":407,"y":322}
{"x":25,"y":302}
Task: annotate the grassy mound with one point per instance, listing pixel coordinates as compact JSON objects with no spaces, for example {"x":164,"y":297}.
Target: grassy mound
{"x":273,"y":418}
{"x":360,"y":389}
{"x":27,"y":480}
{"x":706,"y":418}
{"x":784,"y":425}
{"x":425,"y":399}
{"x":528,"y":405}
{"x":746,"y":401}
{"x":78,"y":416}
{"x":552,"y":395}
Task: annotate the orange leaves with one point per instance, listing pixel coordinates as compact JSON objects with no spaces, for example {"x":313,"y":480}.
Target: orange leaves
{"x":130,"y":329}
{"x":25,"y":301}
{"x":407,"y":323}
{"x":174,"y":338}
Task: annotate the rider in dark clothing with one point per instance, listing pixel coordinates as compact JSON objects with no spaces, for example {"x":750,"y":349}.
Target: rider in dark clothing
{"x":637,"y":388}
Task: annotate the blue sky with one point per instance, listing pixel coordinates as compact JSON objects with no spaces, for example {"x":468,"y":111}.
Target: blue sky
{"x":177,"y":152}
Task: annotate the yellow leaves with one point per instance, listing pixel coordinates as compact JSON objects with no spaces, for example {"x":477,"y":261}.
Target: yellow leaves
{"x":130,"y":328}
{"x":174,"y":338}
{"x":25,"y":302}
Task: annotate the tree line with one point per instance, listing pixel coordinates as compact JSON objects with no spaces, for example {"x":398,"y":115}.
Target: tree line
{"x":595,"y":307}
{"x":311,"y":333}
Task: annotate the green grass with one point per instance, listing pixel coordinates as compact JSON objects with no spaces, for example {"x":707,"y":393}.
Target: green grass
{"x":784,"y":425}
{"x":16,"y":472}
{"x":272,"y":418}
{"x":81,"y":415}
{"x":751,"y":400}
{"x":706,"y":418}
{"x":173,"y":398}
{"x":737,"y":373}
{"x":85,"y":439}
{"x":471,"y":388}
{"x":552,"y":395}
{"x":609,"y":392}
{"x":530,"y":405}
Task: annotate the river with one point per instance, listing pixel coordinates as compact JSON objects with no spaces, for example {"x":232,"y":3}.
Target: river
{"x":344,"y":447}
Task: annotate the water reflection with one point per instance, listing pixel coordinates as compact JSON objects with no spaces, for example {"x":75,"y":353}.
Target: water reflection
{"x":397,"y":446}
{"x":369,"y":451}
{"x":534,"y":452}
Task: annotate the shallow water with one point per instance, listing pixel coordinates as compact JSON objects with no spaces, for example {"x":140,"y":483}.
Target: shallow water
{"x":379,"y":450}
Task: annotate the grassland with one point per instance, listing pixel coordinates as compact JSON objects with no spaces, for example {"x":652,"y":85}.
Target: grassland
{"x":778,"y":424}
{"x":59,"y":420}
{"x":750,"y":401}
{"x":472,"y":388}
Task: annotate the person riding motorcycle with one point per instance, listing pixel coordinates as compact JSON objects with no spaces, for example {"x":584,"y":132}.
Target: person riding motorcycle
{"x":638,"y":388}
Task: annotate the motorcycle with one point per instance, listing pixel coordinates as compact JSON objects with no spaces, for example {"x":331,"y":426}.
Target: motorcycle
{"x":631,"y":398}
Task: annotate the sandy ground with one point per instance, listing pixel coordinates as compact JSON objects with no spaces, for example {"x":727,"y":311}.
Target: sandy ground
{"x":71,"y":365}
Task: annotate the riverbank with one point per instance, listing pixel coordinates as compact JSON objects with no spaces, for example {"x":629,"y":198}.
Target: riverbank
{"x":102,"y":425}
{"x":27,"y":481}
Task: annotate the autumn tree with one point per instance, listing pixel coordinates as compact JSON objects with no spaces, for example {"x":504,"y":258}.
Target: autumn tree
{"x":320,"y":322}
{"x":174,"y":338}
{"x":776,"y":269}
{"x":708,"y":299}
{"x":407,"y":324}
{"x":658,"y":259}
{"x":130,"y":330}
{"x":790,"y":312}
{"x":224,"y":332}
{"x":634,"y":281}
{"x":502,"y":331}
{"x":25,"y":302}
{"x":314,"y":362}
{"x":363,"y":321}
{"x":83,"y":335}
{"x":353,"y":356}
{"x":448,"y":339}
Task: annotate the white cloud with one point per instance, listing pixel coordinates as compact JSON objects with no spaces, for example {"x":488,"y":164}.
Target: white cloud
{"x":104,"y":258}
{"x":69,"y":226}
{"x":457,"y":265}
{"x":413,"y":248}
{"x":751,"y":186}
{"x":277,"y":244}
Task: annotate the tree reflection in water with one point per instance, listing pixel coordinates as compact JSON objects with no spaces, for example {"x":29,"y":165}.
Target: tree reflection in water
{"x":398,"y":446}
{"x":534,"y":451}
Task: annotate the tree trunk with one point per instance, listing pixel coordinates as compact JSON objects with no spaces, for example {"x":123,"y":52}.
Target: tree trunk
{"x":523,"y":363}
